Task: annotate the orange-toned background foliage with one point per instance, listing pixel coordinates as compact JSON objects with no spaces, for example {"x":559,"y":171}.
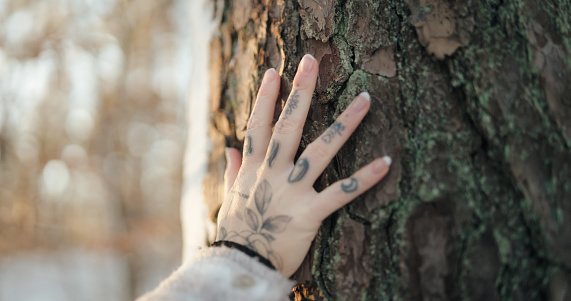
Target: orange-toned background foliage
{"x":92,"y":128}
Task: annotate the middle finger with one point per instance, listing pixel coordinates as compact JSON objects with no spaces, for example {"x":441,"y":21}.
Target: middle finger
{"x":288,"y":129}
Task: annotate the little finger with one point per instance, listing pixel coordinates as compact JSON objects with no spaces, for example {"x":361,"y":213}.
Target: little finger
{"x":344,"y":191}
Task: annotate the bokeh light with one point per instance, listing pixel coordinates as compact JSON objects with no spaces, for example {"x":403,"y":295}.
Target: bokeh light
{"x":92,"y":137}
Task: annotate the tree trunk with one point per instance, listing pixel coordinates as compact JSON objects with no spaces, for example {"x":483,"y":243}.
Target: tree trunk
{"x":471,"y":99}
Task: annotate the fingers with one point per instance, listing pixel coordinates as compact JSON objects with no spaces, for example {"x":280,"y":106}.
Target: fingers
{"x":319,"y":153}
{"x":233,"y":163}
{"x":288,"y":129}
{"x":344,"y":191}
{"x":259,"y":129}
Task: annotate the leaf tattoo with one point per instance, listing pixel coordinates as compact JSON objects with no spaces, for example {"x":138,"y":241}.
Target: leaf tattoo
{"x":276,"y":224}
{"x":252,"y":219}
{"x":263,"y":196}
{"x":222,"y":233}
{"x":299,"y":170}
{"x":273,"y":152}
{"x":248,"y":150}
{"x":268,"y":237}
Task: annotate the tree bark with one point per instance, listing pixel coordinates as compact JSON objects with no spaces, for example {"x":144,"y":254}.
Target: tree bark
{"x":471,"y":99}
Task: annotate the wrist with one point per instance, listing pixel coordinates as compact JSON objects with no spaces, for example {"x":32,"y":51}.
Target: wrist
{"x":245,"y":250}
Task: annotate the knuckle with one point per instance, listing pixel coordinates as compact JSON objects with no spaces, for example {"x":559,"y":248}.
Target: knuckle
{"x":299,"y":85}
{"x":364,"y":180}
{"x":252,"y":161}
{"x":318,"y":150}
{"x":264,"y":93}
{"x":286,"y":126}
{"x":303,"y":82}
{"x":255,"y":123}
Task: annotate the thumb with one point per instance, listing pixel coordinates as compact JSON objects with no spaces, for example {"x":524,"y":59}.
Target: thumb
{"x":233,"y":163}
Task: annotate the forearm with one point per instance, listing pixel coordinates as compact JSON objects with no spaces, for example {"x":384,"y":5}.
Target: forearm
{"x":222,"y":274}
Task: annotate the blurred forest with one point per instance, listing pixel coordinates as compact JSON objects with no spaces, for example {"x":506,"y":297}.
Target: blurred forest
{"x":92,"y":130}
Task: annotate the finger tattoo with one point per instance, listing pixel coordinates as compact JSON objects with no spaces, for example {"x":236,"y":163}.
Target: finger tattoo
{"x":336,"y":129}
{"x":299,"y":170}
{"x":222,"y":233}
{"x":291,"y":103}
{"x":240,"y":194}
{"x":351,"y":186}
{"x":248,"y":149}
{"x":273,"y":152}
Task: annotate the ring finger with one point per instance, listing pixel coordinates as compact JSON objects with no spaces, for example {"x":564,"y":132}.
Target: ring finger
{"x":319,"y":153}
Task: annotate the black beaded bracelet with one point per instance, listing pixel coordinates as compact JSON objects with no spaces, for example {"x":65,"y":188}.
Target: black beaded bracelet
{"x":245,"y":250}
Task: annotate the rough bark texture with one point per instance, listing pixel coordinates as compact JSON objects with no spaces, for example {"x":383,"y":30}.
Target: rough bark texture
{"x":469,"y":98}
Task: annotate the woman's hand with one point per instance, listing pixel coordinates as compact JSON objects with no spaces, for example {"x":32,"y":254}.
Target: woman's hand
{"x":270,"y":205}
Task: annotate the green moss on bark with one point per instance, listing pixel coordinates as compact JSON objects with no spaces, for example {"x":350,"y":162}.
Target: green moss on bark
{"x":476,"y":204}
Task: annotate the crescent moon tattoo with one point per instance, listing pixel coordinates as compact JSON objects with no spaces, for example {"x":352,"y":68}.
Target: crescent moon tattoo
{"x":351,"y":186}
{"x":299,"y":170}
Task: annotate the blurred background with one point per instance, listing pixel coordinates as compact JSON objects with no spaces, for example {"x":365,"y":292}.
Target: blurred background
{"x":92,"y":136}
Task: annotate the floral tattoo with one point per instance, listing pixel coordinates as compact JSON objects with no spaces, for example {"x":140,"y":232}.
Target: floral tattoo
{"x":262,"y":228}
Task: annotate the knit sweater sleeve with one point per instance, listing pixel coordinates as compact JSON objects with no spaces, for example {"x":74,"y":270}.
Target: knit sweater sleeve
{"x":222,"y":274}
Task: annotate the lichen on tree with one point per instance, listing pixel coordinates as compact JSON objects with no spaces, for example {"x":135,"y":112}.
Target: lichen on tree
{"x":470,"y":99}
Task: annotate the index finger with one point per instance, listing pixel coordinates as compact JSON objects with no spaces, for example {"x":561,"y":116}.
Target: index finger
{"x":259,"y":127}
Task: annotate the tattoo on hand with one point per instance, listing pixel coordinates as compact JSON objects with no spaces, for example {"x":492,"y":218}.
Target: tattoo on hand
{"x":240,"y":194}
{"x":248,"y":150}
{"x":273,"y":152}
{"x":351,"y":186}
{"x":260,"y":235}
{"x":291,"y":103}
{"x":299,"y":170}
{"x":336,"y":129}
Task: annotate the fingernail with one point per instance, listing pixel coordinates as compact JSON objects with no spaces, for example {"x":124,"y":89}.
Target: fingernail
{"x":270,"y":75}
{"x":226,"y":154}
{"x":361,"y":102}
{"x":388,"y":160}
{"x":381,"y":165}
{"x":366,"y":95}
{"x":307,"y":63}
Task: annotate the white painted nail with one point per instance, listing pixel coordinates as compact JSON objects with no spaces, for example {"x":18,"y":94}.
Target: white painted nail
{"x":307,"y":63}
{"x":270,"y":75}
{"x":309,"y":55}
{"x":366,"y":95}
{"x":387,"y":160}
